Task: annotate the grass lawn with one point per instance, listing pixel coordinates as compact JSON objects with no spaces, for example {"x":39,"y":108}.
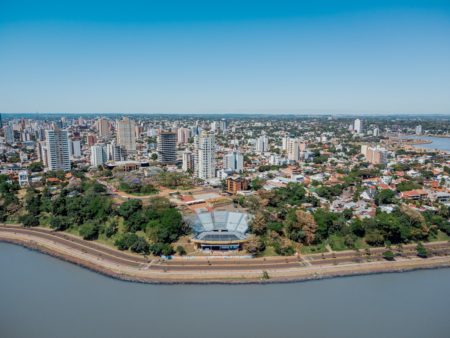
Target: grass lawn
{"x":337,"y":243}
{"x":440,"y":236}
{"x":310,"y":249}
{"x":269,"y":251}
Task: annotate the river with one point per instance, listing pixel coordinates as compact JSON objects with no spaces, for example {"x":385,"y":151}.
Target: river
{"x":42,"y":297}
{"x":440,"y":143}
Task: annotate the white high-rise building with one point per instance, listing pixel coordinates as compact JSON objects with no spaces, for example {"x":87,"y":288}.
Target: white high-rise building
{"x":234,"y":161}
{"x":419,"y":130}
{"x":74,"y":148}
{"x":284,"y":143}
{"x":223,"y":126}
{"x":126,"y":134}
{"x":9,"y":134}
{"x":57,"y":149}
{"x":376,"y":131}
{"x":262,"y":144}
{"x":293,"y":149}
{"x":183,"y":135}
{"x":205,"y":157}
{"x":188,"y":161}
{"x":114,"y":152}
{"x":358,"y":126}
{"x":98,"y":155}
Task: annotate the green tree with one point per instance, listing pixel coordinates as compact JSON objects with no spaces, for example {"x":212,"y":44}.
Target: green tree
{"x":181,"y":250}
{"x":125,"y":241}
{"x":59,"y":223}
{"x":29,"y":220}
{"x":89,"y":231}
{"x":140,"y":246}
{"x":129,"y":208}
{"x":422,"y":252}
{"x":388,"y":255}
{"x":386,"y":196}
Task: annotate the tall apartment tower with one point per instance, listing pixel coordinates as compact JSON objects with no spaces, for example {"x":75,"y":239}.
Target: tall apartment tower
{"x":234,"y":161}
{"x":74,"y":148}
{"x":223,"y":126}
{"x":9,"y":134}
{"x":57,"y":149}
{"x":188,"y":161}
{"x":205,"y":157}
{"x":114,"y":152}
{"x":293,"y":149}
{"x":183,"y":135}
{"x":262,"y":144}
{"x":126,"y":136}
{"x":103,"y":128}
{"x":419,"y":130}
{"x":167,"y":147}
{"x":98,"y":155}
{"x":358,"y":126}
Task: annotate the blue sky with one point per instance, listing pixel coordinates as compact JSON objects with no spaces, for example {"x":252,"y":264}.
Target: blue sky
{"x":225,"y":56}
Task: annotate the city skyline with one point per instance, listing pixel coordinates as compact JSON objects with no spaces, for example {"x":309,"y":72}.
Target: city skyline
{"x":330,"y":57}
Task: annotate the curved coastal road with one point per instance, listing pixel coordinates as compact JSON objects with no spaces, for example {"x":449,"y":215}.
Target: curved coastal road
{"x":130,"y":266}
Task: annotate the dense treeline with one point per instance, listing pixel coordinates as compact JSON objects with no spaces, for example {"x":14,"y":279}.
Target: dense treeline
{"x":283,"y":222}
{"x":9,"y":202}
{"x":86,"y":209}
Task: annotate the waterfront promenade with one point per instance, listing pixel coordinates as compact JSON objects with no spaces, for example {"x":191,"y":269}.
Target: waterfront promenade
{"x":127,"y":266}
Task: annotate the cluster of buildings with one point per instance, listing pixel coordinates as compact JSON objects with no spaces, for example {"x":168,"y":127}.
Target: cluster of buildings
{"x":229,"y":156}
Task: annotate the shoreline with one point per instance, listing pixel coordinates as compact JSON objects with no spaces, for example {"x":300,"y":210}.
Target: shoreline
{"x":416,"y":142}
{"x":230,"y":275}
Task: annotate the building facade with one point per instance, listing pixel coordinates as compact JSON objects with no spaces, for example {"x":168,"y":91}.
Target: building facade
{"x":126,"y":136}
{"x":234,"y":161}
{"x":167,"y":147}
{"x":205,"y":157}
{"x":99,"y":155}
{"x":57,"y":145}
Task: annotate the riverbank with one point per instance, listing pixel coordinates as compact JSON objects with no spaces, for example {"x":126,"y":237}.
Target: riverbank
{"x":127,"y":267}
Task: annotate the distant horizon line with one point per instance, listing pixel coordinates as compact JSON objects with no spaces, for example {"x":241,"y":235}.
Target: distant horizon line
{"x":233,"y":113}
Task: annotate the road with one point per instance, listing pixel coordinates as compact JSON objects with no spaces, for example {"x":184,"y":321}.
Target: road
{"x":130,"y":266}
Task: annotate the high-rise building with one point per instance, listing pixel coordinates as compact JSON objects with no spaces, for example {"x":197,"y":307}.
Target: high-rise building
{"x":374,"y":155}
{"x":262,"y":144}
{"x":376,"y":132}
{"x":114,"y":152}
{"x":74,"y":148}
{"x":103,"y":128}
{"x":98,"y":155}
{"x":293,"y":149}
{"x":42,"y":153}
{"x":188,"y":161}
{"x":126,"y":136}
{"x":234,"y":161}
{"x":223,"y":126}
{"x":57,"y":149}
{"x":167,"y":147}
{"x":205,"y":157}
{"x":183,"y":135}
{"x":419,"y":130}
{"x":9,"y":134}
{"x":91,"y":139}
{"x":358,"y":126}
{"x":284,"y":142}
